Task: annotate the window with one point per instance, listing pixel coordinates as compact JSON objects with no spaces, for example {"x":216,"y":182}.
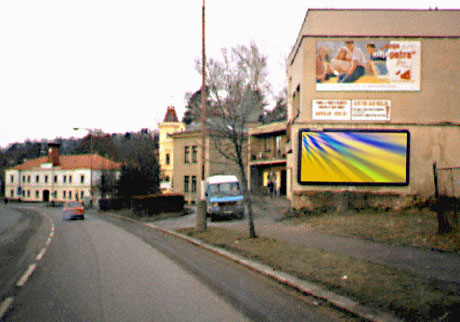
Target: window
{"x":194,"y":154}
{"x":64,"y":179}
{"x":28,"y":179}
{"x":46,"y":179}
{"x":70,"y":179}
{"x":64,"y":194}
{"x":194,"y":184}
{"x":82,"y":194}
{"x":55,"y":179}
{"x":12,"y":179}
{"x":168,"y":160}
{"x":28,"y":193}
{"x":186,"y":183}
{"x":37,"y":194}
{"x":82,"y":179}
{"x":12,"y":193}
{"x":278,"y":146}
{"x":37,"y":179}
{"x":187,"y":154}
{"x":70,"y":194}
{"x":23,"y":178}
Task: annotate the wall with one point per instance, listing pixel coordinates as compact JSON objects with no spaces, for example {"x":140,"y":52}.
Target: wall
{"x":431,"y":115}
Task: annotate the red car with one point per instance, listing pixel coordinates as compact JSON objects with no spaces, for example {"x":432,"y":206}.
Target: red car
{"x":73,"y":210}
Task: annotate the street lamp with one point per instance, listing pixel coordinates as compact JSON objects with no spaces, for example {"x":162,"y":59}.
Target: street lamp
{"x":90,"y":132}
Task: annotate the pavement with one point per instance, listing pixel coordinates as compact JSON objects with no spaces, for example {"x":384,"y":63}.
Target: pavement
{"x":441,"y":267}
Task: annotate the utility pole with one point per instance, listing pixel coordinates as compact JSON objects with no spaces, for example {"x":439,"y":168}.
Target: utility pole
{"x":201,"y":223}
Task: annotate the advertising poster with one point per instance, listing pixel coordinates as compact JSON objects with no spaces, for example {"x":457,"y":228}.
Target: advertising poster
{"x":353,"y":157}
{"x":366,"y":65}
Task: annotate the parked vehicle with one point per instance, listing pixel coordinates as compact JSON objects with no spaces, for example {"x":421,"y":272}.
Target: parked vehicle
{"x":73,"y":210}
{"x":224,"y":198}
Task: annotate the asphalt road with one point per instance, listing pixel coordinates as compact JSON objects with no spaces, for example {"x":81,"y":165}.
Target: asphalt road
{"x":105,"y":269}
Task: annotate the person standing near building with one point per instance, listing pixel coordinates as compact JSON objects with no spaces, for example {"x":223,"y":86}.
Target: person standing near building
{"x":358,"y":64}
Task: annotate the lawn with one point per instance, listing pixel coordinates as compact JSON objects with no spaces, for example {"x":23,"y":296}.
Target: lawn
{"x":414,"y":227}
{"x":406,"y":295}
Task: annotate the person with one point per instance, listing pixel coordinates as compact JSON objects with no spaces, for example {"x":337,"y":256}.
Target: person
{"x":377,"y":60}
{"x":270,"y":186}
{"x":358,"y":62}
{"x":323,"y":71}
{"x":342,"y":61}
{"x":5,"y":200}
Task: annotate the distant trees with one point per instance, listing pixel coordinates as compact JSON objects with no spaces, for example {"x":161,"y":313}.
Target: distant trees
{"x":137,"y":151}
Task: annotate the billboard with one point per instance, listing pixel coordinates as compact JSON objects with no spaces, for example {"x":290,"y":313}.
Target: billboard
{"x":353,"y":157}
{"x":363,"y":65}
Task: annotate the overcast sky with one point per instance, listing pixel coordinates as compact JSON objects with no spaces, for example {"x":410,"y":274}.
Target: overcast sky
{"x":116,"y":65}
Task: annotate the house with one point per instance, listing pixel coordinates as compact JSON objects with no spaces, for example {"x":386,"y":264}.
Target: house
{"x":373,"y":103}
{"x":187,"y":164}
{"x":169,"y":126}
{"x":58,"y":178}
{"x":267,"y":157}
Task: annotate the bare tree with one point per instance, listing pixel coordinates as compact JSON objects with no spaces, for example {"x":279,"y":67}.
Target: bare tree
{"x":236,"y":89}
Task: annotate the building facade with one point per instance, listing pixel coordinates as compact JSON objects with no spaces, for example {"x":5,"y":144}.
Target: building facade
{"x":58,"y":178}
{"x":187,"y":175}
{"x":169,"y":126}
{"x":373,"y":103}
{"x":267,"y":158}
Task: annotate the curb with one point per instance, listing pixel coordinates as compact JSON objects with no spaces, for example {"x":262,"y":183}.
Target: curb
{"x":339,"y":301}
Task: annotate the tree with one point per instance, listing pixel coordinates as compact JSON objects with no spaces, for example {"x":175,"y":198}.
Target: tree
{"x":236,"y":88}
{"x":140,"y":175}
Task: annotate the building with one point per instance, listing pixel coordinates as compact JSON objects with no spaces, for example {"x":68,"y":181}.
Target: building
{"x":371,"y":138}
{"x":58,"y":178}
{"x":169,"y":126}
{"x":267,"y":157}
{"x":188,"y":167}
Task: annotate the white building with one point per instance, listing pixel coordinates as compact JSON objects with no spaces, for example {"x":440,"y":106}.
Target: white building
{"x":58,"y":178}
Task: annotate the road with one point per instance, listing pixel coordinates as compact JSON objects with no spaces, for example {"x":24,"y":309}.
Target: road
{"x":106,"y":269}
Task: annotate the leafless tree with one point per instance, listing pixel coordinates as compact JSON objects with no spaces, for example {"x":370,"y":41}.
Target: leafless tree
{"x":236,"y":89}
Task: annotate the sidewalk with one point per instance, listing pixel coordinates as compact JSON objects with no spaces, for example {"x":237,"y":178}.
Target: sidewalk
{"x":444,"y":267}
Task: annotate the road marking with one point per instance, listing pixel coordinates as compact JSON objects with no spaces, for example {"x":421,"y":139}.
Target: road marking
{"x":26,"y":275}
{"x":40,"y":255}
{"x":48,"y":242}
{"x":5,"y":305}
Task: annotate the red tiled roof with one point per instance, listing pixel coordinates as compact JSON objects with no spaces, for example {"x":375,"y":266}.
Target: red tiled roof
{"x":70,"y":162}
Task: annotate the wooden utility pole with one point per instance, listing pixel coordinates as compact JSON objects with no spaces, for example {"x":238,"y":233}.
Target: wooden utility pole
{"x":201,"y":223}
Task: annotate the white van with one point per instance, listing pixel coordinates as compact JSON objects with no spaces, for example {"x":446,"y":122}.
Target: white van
{"x":224,"y":197}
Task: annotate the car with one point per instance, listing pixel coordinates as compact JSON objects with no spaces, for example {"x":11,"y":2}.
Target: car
{"x":73,"y":210}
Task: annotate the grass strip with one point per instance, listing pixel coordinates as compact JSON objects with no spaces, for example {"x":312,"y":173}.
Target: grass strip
{"x":408,"y":296}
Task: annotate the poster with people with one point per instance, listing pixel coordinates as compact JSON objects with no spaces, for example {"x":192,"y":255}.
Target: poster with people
{"x":368,"y":65}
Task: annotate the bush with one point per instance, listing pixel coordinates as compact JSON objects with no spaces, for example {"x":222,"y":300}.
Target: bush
{"x":159,"y":203}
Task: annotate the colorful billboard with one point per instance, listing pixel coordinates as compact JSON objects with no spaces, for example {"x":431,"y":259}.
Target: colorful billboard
{"x":353,"y":157}
{"x":367,"y":65}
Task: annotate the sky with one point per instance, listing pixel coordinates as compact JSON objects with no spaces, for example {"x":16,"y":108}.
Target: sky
{"x":116,"y":65}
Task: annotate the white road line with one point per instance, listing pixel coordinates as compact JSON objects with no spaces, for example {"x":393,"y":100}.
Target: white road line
{"x":48,"y":242}
{"x":40,"y":255}
{"x":5,"y":305}
{"x":26,"y":275}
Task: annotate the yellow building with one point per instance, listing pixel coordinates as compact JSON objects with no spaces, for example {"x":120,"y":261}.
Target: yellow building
{"x":187,"y":177}
{"x":373,"y":103}
{"x":169,"y":126}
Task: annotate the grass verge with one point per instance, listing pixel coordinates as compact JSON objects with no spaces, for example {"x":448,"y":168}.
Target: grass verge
{"x":408,"y":296}
{"x":414,"y":227}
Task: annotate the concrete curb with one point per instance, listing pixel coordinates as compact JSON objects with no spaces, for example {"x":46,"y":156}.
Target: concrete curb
{"x":339,"y":301}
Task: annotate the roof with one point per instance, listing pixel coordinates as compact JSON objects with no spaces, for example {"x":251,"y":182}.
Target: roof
{"x":221,"y":179}
{"x":71,"y":162}
{"x":269,"y":128}
{"x":379,"y":23}
{"x":171,"y":115}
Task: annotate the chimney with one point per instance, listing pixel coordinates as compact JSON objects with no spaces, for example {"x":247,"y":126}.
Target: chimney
{"x":53,"y":153}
